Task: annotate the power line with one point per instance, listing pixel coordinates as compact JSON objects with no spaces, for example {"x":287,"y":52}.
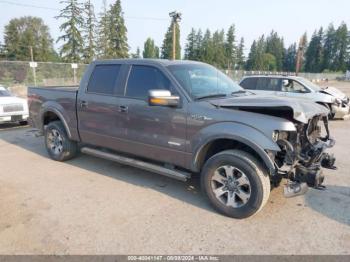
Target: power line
{"x":28,"y":5}
{"x":56,"y":9}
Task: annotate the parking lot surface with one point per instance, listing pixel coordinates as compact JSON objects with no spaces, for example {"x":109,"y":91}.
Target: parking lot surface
{"x":90,"y":205}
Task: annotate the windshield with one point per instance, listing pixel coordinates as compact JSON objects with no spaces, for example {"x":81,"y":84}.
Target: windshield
{"x":4,"y":91}
{"x":201,"y":80}
{"x":309,"y":84}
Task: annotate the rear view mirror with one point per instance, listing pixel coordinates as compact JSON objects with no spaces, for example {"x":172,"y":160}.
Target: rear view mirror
{"x":162,"y":98}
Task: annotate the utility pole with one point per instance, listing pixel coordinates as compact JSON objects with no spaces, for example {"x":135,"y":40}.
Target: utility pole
{"x":300,"y":55}
{"x":176,"y":17}
{"x":33,"y":64}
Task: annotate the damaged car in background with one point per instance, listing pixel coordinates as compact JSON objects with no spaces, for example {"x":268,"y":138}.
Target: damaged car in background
{"x":294,"y":86}
{"x":184,"y":118}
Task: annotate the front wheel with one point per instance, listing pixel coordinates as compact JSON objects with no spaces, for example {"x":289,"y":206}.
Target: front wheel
{"x":58,"y":144}
{"x":235,"y":183}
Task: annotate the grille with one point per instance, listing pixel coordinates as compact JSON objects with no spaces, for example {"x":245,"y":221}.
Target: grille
{"x":13,"y":108}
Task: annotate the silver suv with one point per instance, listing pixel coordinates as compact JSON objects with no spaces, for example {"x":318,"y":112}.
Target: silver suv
{"x":292,"y":86}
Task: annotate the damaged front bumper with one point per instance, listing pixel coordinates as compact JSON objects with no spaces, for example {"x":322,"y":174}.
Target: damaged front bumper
{"x":340,"y":111}
{"x":303,"y":155}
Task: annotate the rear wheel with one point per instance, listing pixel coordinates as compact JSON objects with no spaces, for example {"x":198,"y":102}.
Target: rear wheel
{"x":58,"y":145}
{"x":235,"y":183}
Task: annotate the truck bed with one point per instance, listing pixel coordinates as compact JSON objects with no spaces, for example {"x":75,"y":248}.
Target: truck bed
{"x":61,"y":98}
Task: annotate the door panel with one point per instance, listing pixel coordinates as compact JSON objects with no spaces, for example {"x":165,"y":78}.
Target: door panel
{"x":156,"y":132}
{"x":98,"y":108}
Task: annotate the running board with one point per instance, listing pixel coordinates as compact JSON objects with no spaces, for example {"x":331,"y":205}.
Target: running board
{"x":179,"y":175}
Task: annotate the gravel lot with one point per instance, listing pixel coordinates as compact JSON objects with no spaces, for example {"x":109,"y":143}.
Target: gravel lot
{"x":90,"y":205}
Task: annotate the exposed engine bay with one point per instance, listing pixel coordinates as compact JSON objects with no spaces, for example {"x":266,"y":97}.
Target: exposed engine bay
{"x":303,"y":151}
{"x":303,"y":154}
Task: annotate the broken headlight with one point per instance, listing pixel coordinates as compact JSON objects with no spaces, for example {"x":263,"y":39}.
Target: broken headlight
{"x":279,"y":135}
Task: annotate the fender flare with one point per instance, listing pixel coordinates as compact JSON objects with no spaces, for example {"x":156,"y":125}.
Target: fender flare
{"x":243,"y":137}
{"x":59,"y":115}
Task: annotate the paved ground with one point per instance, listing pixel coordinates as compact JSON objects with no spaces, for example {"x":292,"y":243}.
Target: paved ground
{"x":89,"y":205}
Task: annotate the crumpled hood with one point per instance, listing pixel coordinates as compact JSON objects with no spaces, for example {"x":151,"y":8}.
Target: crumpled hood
{"x":302,"y":109}
{"x":334,"y":92}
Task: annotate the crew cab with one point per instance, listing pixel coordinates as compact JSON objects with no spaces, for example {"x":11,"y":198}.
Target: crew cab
{"x":179,"y":118}
{"x":12,"y":109}
{"x":294,"y":86}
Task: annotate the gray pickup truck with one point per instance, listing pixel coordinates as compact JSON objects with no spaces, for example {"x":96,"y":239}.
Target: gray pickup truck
{"x":178,"y":118}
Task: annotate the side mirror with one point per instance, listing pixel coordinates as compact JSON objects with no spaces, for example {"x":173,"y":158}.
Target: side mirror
{"x":162,"y":98}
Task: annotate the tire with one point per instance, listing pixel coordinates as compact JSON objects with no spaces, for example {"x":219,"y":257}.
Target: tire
{"x":248,"y":190}
{"x":23,"y":123}
{"x":58,"y":145}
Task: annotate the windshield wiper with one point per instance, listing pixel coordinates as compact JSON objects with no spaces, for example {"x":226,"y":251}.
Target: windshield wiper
{"x":239,"y":92}
{"x":242,"y":92}
{"x":210,"y":96}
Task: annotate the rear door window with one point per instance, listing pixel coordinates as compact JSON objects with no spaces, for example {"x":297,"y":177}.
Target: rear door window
{"x":268,"y":84}
{"x":145,"y":78}
{"x":249,"y":83}
{"x":104,"y":79}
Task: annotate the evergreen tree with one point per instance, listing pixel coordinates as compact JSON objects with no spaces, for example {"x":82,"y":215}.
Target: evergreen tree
{"x":240,"y":54}
{"x":230,"y":48}
{"x":22,"y":33}
{"x":190,"y":49}
{"x":117,"y":41}
{"x":314,"y":53}
{"x":342,"y":48}
{"x":167,"y":47}
{"x":150,"y":50}
{"x":198,"y":45}
{"x":260,"y":51}
{"x":329,"y":48}
{"x":290,"y":58}
{"x":250,"y":65}
{"x":90,"y":32}
{"x":103,"y":31}
{"x":275,"y":46}
{"x":218,"y":49}
{"x":207,"y":49}
{"x":72,"y":49}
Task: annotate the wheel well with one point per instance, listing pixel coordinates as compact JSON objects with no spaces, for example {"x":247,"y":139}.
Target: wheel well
{"x":328,"y":105}
{"x":220,"y":145}
{"x":50,"y":117}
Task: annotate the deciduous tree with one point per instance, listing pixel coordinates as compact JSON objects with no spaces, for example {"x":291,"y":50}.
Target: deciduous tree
{"x":22,"y":33}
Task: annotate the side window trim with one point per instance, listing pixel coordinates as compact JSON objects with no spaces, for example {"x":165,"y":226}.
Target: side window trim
{"x":116,"y":84}
{"x":128,"y":77}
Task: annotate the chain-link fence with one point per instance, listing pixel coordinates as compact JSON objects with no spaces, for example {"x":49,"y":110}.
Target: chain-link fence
{"x":238,"y":74}
{"x":18,"y":75}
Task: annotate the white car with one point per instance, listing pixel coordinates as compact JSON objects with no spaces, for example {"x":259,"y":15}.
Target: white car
{"x":292,"y":86}
{"x":12,"y":109}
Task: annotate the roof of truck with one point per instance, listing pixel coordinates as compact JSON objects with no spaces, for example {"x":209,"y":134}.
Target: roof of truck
{"x":163,"y":62}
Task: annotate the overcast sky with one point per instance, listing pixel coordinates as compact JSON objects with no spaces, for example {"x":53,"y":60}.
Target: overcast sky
{"x":290,"y":18}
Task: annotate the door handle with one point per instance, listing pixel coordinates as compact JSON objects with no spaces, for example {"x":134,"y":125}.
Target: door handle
{"x":83,"y":104}
{"x":123,"y":109}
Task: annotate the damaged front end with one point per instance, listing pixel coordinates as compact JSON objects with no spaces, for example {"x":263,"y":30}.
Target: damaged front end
{"x":303,"y":154}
